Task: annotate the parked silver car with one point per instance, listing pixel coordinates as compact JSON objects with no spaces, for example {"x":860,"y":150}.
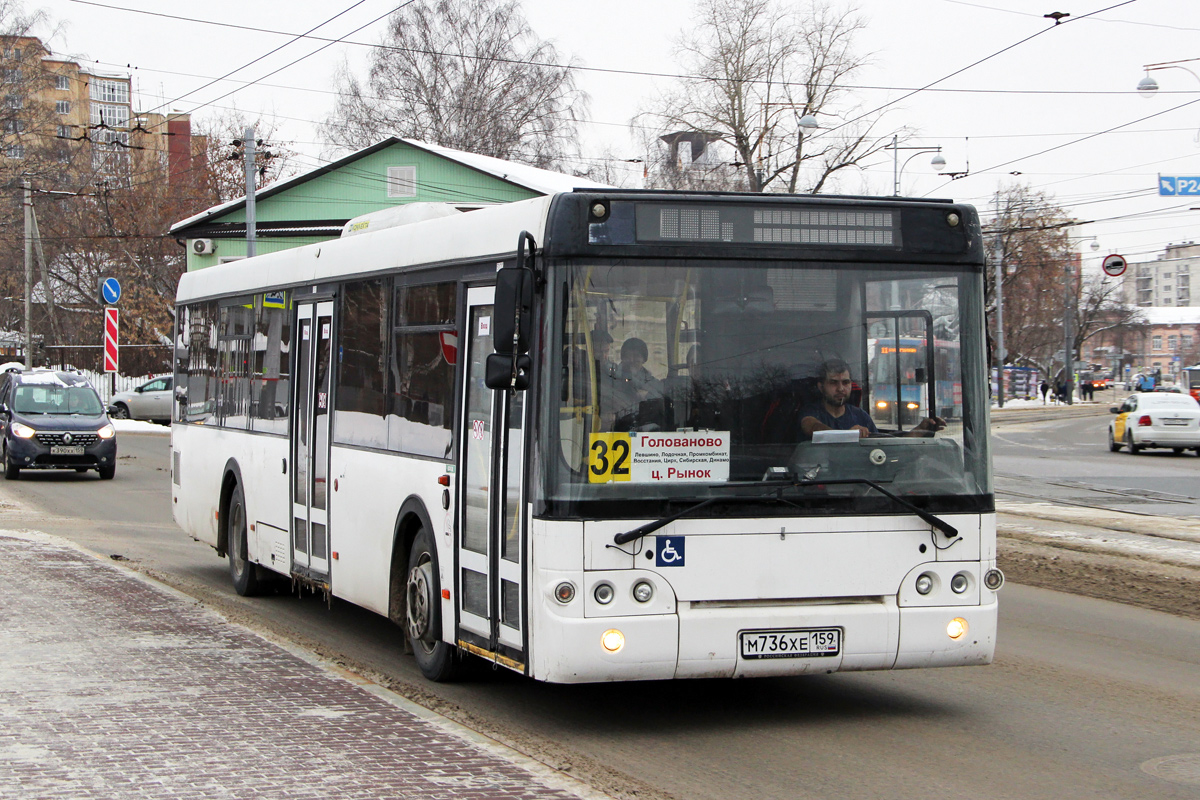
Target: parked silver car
{"x":150,"y":401}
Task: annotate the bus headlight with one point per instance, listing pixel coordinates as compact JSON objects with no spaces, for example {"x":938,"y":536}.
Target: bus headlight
{"x":881,"y":404}
{"x":911,"y":406}
{"x":603,"y":593}
{"x":925,"y":583}
{"x":643,"y":591}
{"x":564,"y":592}
{"x":959,"y":583}
{"x":956,"y":628}
{"x":22,"y":431}
{"x":612,"y":640}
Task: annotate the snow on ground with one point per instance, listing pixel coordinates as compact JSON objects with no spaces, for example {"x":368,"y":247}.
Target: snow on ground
{"x":140,"y":426}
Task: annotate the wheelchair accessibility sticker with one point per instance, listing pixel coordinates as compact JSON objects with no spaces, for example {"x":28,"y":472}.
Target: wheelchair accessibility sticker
{"x":668,"y":551}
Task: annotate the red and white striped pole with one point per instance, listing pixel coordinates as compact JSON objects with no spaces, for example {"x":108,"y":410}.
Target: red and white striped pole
{"x":110,"y":339}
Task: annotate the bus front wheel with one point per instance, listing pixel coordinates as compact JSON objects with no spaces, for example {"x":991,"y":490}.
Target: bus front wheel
{"x":437,"y":660}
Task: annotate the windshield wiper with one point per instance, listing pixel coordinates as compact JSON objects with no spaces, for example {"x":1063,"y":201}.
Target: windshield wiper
{"x":943,"y":526}
{"x":628,"y":536}
{"x":650,"y":527}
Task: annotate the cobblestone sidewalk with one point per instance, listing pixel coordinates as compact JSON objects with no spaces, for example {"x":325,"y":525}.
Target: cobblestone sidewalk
{"x":111,"y":687}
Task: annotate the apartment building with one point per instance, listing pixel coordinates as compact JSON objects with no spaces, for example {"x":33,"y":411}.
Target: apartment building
{"x":84,"y":116}
{"x":1166,"y":281}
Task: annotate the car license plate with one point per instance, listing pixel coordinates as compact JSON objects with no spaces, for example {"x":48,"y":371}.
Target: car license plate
{"x":797,"y":643}
{"x":66,"y":450}
{"x":1175,"y":422}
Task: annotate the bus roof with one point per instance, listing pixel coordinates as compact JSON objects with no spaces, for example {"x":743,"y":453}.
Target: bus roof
{"x":475,"y":235}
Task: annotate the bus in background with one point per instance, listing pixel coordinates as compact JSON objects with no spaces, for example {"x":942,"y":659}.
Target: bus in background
{"x":563,"y":435}
{"x":1189,"y":381}
{"x":905,"y":372}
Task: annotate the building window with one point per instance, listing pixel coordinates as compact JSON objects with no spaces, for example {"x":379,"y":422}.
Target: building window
{"x":1156,"y":343}
{"x":401,"y":181}
{"x":112,"y":116}
{"x":1172,"y":342}
{"x":1166,"y":301}
{"x":1166,"y":275}
{"x":109,"y":91}
{"x":62,"y":106}
{"x":15,"y":151}
{"x":14,"y":126}
{"x":62,"y":82}
{"x":64,"y":131}
{"x":14,"y":101}
{"x":1187,"y":341}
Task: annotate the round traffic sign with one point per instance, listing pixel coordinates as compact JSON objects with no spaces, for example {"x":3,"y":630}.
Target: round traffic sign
{"x":1114,"y":265}
{"x":111,"y":290}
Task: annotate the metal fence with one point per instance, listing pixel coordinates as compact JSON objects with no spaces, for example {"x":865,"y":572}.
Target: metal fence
{"x":138,"y":362}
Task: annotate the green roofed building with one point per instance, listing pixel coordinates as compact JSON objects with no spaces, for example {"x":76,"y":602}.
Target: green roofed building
{"x":316,"y":205}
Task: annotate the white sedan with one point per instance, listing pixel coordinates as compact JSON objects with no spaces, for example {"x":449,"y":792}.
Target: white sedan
{"x":150,"y":401}
{"x":1155,"y":419}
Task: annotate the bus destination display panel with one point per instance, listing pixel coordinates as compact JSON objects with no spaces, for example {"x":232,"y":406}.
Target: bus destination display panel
{"x":768,"y":225}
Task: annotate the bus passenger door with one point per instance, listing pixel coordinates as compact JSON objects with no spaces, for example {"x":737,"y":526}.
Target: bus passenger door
{"x":490,"y":547}
{"x":310,"y":439}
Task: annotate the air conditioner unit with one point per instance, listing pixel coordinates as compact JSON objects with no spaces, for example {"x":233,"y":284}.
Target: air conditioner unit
{"x":203,"y":247}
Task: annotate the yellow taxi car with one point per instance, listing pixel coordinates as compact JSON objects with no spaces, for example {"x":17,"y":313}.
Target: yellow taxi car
{"x":1155,"y":419}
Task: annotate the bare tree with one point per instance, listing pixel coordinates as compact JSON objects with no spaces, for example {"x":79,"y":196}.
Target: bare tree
{"x":766,"y":66}
{"x":1043,"y":280}
{"x":225,"y":159}
{"x":471,"y":75}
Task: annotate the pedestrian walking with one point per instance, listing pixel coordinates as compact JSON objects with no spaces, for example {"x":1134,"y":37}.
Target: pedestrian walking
{"x":1044,"y":388}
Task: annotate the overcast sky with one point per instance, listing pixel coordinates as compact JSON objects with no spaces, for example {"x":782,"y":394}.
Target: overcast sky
{"x":1055,"y":104}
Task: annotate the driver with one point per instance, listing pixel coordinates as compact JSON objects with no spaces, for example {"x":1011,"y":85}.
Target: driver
{"x":835,"y":414}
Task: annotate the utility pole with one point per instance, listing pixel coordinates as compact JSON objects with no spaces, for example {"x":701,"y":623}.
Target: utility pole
{"x":1068,"y":336}
{"x":28,"y":203}
{"x":251,"y":238}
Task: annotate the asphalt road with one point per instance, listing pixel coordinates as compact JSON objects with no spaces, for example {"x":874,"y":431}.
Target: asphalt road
{"x":1068,"y":460}
{"x":1086,"y":698}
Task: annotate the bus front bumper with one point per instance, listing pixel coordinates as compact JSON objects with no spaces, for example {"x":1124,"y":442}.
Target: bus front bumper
{"x":705,"y":641}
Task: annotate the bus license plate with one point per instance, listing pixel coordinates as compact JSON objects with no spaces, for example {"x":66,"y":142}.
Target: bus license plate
{"x":66,"y":450}
{"x":798,"y":643}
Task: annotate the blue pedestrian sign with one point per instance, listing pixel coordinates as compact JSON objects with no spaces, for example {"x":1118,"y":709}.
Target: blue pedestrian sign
{"x":668,"y":551}
{"x":110,"y":291}
{"x":1179,"y":185}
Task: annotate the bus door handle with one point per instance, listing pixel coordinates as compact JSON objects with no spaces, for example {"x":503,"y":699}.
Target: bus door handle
{"x":284,"y":466}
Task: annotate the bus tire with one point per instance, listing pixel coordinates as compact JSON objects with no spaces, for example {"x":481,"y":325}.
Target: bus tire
{"x":437,"y":660}
{"x":243,"y":573}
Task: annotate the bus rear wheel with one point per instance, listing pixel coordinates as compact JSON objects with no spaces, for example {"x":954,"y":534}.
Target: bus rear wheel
{"x":243,"y":573}
{"x":437,"y":660}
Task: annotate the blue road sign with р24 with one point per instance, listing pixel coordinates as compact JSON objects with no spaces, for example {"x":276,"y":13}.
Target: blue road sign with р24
{"x":1179,"y":185}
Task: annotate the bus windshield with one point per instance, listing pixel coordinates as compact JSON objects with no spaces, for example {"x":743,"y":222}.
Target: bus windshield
{"x":666,"y":383}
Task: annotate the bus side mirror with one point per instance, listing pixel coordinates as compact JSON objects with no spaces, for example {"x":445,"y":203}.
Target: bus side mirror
{"x":513,"y":314}
{"x":507,"y":371}
{"x":512,"y":322}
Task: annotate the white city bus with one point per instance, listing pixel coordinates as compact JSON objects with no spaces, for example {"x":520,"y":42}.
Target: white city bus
{"x":563,"y":434}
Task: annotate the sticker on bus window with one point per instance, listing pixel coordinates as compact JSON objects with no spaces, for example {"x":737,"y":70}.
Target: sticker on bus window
{"x":683,"y":457}
{"x":485,"y":326}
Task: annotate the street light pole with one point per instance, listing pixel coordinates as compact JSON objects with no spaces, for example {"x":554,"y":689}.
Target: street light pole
{"x":938,"y":162}
{"x":999,"y":319}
